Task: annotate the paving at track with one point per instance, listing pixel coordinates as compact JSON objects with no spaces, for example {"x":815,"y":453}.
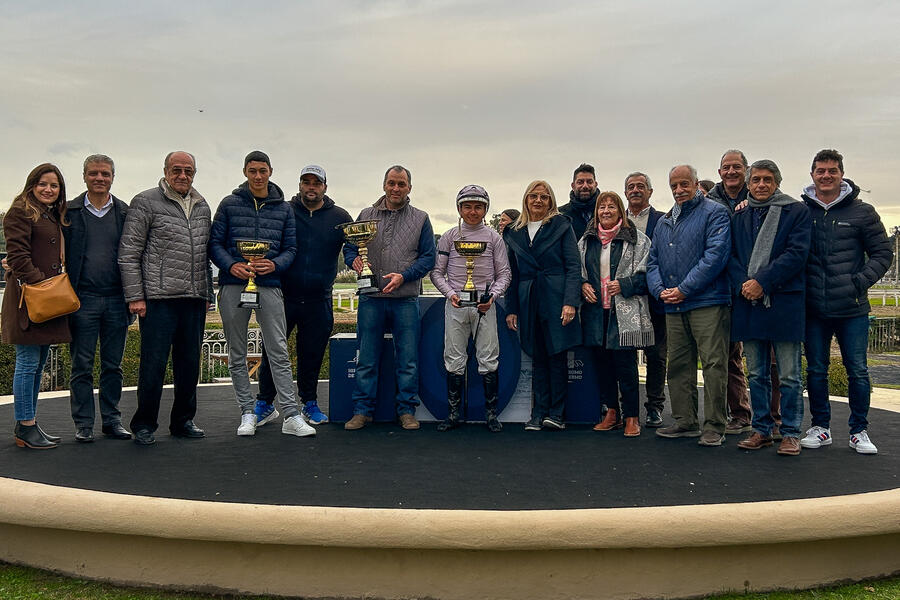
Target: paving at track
{"x":383,"y":466}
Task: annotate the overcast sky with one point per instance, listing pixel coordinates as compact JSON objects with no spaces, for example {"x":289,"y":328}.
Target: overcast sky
{"x":495,"y":93}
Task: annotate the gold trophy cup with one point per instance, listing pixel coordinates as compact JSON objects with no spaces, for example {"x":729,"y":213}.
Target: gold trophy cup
{"x":251,"y":250}
{"x":468,"y":296}
{"x":360,"y":233}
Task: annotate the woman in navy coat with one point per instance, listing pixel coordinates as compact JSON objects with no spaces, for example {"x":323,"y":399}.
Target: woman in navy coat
{"x":542,"y":298}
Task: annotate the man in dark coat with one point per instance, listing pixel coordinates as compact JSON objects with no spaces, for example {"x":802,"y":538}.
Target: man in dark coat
{"x":850,"y":251}
{"x":307,"y":285}
{"x":580,"y":208}
{"x":96,"y":219}
{"x":731,"y":192}
{"x":638,"y":190}
{"x":770,"y":243}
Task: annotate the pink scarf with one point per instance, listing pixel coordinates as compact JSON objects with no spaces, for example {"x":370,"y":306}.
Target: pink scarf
{"x":606,"y":236}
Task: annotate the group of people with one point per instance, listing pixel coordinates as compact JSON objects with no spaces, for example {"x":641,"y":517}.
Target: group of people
{"x":738,"y":269}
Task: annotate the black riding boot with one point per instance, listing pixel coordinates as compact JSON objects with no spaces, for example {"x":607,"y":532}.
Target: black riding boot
{"x":455,"y":385}
{"x":490,"y":401}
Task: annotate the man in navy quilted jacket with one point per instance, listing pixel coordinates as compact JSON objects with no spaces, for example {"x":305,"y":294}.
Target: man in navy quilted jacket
{"x":256,"y":211}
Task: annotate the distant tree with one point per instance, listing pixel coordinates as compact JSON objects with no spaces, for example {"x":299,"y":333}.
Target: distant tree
{"x":495,"y":221}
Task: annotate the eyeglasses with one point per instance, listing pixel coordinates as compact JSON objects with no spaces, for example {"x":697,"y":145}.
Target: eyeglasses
{"x":543,"y":197}
{"x":188,"y":172}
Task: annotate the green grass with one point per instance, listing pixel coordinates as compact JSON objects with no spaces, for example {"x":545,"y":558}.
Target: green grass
{"x":21,"y":583}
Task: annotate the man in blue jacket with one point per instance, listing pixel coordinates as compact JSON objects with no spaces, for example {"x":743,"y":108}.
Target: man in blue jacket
{"x":686,"y":272}
{"x":256,"y":211}
{"x":638,"y":190}
{"x":850,"y":251}
{"x":307,"y":284}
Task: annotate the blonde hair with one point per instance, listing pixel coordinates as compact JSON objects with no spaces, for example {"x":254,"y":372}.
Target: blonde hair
{"x":523,"y":219}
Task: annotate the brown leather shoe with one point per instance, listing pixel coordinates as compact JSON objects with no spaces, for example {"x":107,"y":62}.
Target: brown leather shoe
{"x":790,"y":446}
{"x":632,"y":428}
{"x":357,"y":422}
{"x":609,"y":422}
{"x":408,"y":421}
{"x":756,"y":441}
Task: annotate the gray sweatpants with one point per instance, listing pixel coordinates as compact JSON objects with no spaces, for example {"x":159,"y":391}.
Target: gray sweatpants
{"x":459,"y":326}
{"x":270,"y":317}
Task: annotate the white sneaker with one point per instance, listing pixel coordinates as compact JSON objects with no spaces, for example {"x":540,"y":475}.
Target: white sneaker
{"x":862,"y":444}
{"x":816,"y":437}
{"x":297,"y":426}
{"x":248,"y":424}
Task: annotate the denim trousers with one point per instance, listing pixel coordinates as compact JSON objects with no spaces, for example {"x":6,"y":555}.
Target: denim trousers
{"x":314,"y":317}
{"x":759,"y":364}
{"x":375,"y":317}
{"x":174,"y":325}
{"x":105,"y":318}
{"x":853,"y":339}
{"x":30,"y":361}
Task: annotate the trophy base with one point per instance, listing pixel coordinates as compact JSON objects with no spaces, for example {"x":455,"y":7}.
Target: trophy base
{"x":249,"y":300}
{"x":365,"y":285}
{"x":468,"y":298}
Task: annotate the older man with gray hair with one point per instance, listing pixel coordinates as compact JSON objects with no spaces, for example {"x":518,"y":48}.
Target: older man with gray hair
{"x":167,"y":280}
{"x":638,"y":189}
{"x":767,"y":272}
{"x":686,"y":272}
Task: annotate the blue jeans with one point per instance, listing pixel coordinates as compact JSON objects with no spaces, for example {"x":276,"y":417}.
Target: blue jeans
{"x":374,"y":317}
{"x":853,"y":339}
{"x":30,"y":361}
{"x":759,"y":364}
{"x":105,"y":318}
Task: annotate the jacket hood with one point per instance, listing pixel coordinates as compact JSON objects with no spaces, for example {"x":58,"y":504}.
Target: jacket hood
{"x":275,"y":193}
{"x":849,"y":192}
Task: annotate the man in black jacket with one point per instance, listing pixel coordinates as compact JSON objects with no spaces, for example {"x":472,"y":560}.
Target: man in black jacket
{"x":850,"y":251}
{"x":730,"y":192}
{"x":580,"y":208}
{"x":638,"y":190}
{"x":96,"y":218}
{"x":307,"y":293}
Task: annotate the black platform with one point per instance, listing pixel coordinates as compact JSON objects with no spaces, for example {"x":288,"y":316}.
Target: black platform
{"x":383,"y":466}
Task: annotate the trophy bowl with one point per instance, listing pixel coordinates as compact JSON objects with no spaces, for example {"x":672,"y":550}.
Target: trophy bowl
{"x":468,"y":296}
{"x":251,"y":250}
{"x":360,"y":233}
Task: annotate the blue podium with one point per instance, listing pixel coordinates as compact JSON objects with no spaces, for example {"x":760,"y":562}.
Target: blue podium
{"x":583,"y":405}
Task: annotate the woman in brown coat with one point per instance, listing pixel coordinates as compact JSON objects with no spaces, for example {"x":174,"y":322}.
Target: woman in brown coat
{"x":33,"y":240}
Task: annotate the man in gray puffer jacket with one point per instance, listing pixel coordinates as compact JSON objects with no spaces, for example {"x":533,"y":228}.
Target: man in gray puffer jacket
{"x":167,"y":281}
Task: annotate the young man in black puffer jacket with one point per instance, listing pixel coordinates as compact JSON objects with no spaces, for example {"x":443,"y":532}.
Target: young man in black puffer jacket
{"x":850,"y":251}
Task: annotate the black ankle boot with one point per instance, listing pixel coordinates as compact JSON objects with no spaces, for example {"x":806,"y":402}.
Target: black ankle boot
{"x":50,"y":438}
{"x":490,"y":401}
{"x":29,"y":436}
{"x":455,"y":385}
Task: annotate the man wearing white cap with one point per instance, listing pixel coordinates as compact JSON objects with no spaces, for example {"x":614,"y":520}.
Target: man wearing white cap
{"x":307,"y":285}
{"x":491,"y":277}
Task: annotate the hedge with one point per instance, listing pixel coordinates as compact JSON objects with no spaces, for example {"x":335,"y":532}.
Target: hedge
{"x":837,"y":375}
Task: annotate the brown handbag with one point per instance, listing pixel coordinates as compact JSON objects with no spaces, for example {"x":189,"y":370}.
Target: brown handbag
{"x":53,"y":297}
